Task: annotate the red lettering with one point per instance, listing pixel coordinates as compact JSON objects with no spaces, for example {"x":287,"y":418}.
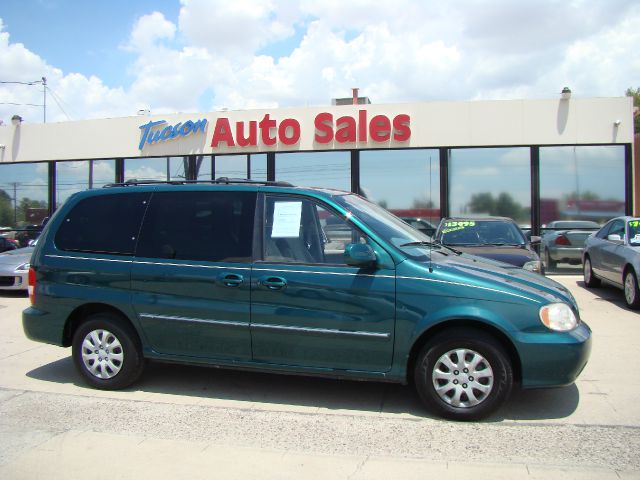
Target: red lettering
{"x":402,"y":128}
{"x":252,"y":139}
{"x":294,"y":126}
{"x":346,"y":133}
{"x":362,"y":126}
{"x":380,"y":128}
{"x":222,"y":133}
{"x":266,"y":124}
{"x":324,"y":125}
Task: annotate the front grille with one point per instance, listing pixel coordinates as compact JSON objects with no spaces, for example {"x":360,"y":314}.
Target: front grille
{"x":7,"y":281}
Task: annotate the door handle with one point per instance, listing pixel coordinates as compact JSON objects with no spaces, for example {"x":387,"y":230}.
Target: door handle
{"x":231,"y":280}
{"x":273,"y":283}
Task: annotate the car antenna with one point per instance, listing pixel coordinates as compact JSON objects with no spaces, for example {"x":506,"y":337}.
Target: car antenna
{"x":430,"y":200}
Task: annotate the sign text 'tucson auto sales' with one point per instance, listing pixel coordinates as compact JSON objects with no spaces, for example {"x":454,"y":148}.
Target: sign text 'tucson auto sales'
{"x":271,"y":132}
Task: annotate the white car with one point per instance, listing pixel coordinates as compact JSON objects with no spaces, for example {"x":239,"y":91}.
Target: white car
{"x":612,"y":255}
{"x":14,"y":269}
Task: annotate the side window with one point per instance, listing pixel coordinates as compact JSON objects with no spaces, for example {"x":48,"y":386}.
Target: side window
{"x":298,"y":230}
{"x":103,"y":224}
{"x":604,"y":231}
{"x":617,"y":228}
{"x":205,"y":226}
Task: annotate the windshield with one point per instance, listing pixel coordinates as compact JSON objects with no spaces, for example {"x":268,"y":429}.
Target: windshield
{"x":480,"y":232}
{"x":634,"y":232}
{"x":389,"y":227}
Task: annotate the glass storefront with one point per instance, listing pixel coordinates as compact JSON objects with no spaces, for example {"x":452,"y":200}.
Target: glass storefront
{"x":490,"y":181}
{"x":315,"y":169}
{"x":577,"y":184}
{"x":405,"y":182}
{"x":24,"y":194}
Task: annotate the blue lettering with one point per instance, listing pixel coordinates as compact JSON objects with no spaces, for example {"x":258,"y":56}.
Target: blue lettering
{"x":166,"y":133}
{"x":145,"y":131}
{"x":199,"y":125}
{"x":176,"y":130}
{"x":186,"y":128}
{"x":169,"y":132}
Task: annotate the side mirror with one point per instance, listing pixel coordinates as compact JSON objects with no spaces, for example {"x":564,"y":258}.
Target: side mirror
{"x":535,"y":240}
{"x":359,"y":255}
{"x":615,"y":238}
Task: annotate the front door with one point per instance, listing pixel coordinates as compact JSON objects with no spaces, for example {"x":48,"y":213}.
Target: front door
{"x":190,"y":279}
{"x":310,"y":309}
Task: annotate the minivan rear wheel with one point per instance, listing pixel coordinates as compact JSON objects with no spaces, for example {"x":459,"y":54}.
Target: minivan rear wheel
{"x":106,"y":352}
{"x":463,"y":374}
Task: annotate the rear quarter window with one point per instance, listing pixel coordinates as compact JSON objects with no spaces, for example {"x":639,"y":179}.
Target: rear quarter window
{"x":103,"y":224}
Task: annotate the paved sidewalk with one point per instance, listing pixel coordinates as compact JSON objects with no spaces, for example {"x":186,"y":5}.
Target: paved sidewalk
{"x":186,"y":422}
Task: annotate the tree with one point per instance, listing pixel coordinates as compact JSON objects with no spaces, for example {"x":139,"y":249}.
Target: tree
{"x":6,"y":209}
{"x":503,"y":206}
{"x":635,"y":94}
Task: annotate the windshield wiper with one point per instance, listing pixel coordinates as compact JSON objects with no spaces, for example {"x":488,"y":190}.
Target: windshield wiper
{"x":430,"y":244}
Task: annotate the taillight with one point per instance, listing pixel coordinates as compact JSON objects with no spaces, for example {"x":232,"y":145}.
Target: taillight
{"x":32,"y":286}
{"x":562,"y":240}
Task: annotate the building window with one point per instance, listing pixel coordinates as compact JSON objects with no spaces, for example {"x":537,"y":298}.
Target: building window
{"x":24,"y":194}
{"x":231,"y":166}
{"x":490,"y":181}
{"x":315,"y":169}
{"x":405,"y":182}
{"x":158,"y":168}
{"x":582,"y":183}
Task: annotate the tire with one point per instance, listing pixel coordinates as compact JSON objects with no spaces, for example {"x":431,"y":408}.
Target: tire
{"x":631,"y":292}
{"x":551,"y":264}
{"x":590,"y":280}
{"x":459,"y":399}
{"x":107,"y":352}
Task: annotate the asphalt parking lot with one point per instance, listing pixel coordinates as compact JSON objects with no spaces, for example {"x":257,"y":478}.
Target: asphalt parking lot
{"x":196,"y":422}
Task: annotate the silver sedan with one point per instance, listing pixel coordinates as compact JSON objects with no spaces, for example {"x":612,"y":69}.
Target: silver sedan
{"x":14,"y":269}
{"x":612,"y":255}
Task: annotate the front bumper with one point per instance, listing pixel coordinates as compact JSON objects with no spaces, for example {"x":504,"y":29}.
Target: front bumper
{"x":554,"y":359}
{"x":14,"y":281}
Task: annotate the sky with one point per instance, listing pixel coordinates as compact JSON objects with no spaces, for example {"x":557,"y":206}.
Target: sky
{"x":111,"y":59}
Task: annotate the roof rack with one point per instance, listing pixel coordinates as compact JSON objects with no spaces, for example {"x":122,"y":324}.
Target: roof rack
{"x":220,"y":180}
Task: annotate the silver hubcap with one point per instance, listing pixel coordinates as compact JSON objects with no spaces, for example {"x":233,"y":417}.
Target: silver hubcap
{"x":462,"y":378}
{"x":587,"y":271}
{"x":630,"y":288}
{"x":102,"y":353}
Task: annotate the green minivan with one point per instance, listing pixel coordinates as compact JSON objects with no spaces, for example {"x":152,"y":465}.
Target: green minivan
{"x":277,"y":278}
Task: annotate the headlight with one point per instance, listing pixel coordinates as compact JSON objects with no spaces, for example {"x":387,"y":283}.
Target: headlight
{"x":23,"y":268}
{"x":558,"y":317}
{"x":533,"y":266}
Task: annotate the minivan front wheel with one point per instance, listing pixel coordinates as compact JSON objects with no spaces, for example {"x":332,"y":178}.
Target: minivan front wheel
{"x":106,"y":352}
{"x":463,"y":374}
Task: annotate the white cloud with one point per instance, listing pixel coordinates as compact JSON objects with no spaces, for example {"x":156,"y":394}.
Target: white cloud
{"x":217,"y":55}
{"x":148,"y":30}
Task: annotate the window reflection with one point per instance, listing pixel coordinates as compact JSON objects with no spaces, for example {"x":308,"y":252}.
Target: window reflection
{"x":23,"y":194}
{"x":581,"y":183}
{"x":158,"y":168}
{"x":71,"y":177}
{"x":315,"y":169}
{"x":405,"y":182}
{"x":258,"y":167}
{"x":490,"y":181}
{"x":232,"y":166}
{"x":101,"y":172}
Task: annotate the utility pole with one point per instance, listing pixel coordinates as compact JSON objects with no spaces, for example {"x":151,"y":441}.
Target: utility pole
{"x":44,"y":93}
{"x":15,"y":203}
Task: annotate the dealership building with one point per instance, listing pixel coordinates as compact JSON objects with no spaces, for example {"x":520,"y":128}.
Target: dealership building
{"x":533,"y":160}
